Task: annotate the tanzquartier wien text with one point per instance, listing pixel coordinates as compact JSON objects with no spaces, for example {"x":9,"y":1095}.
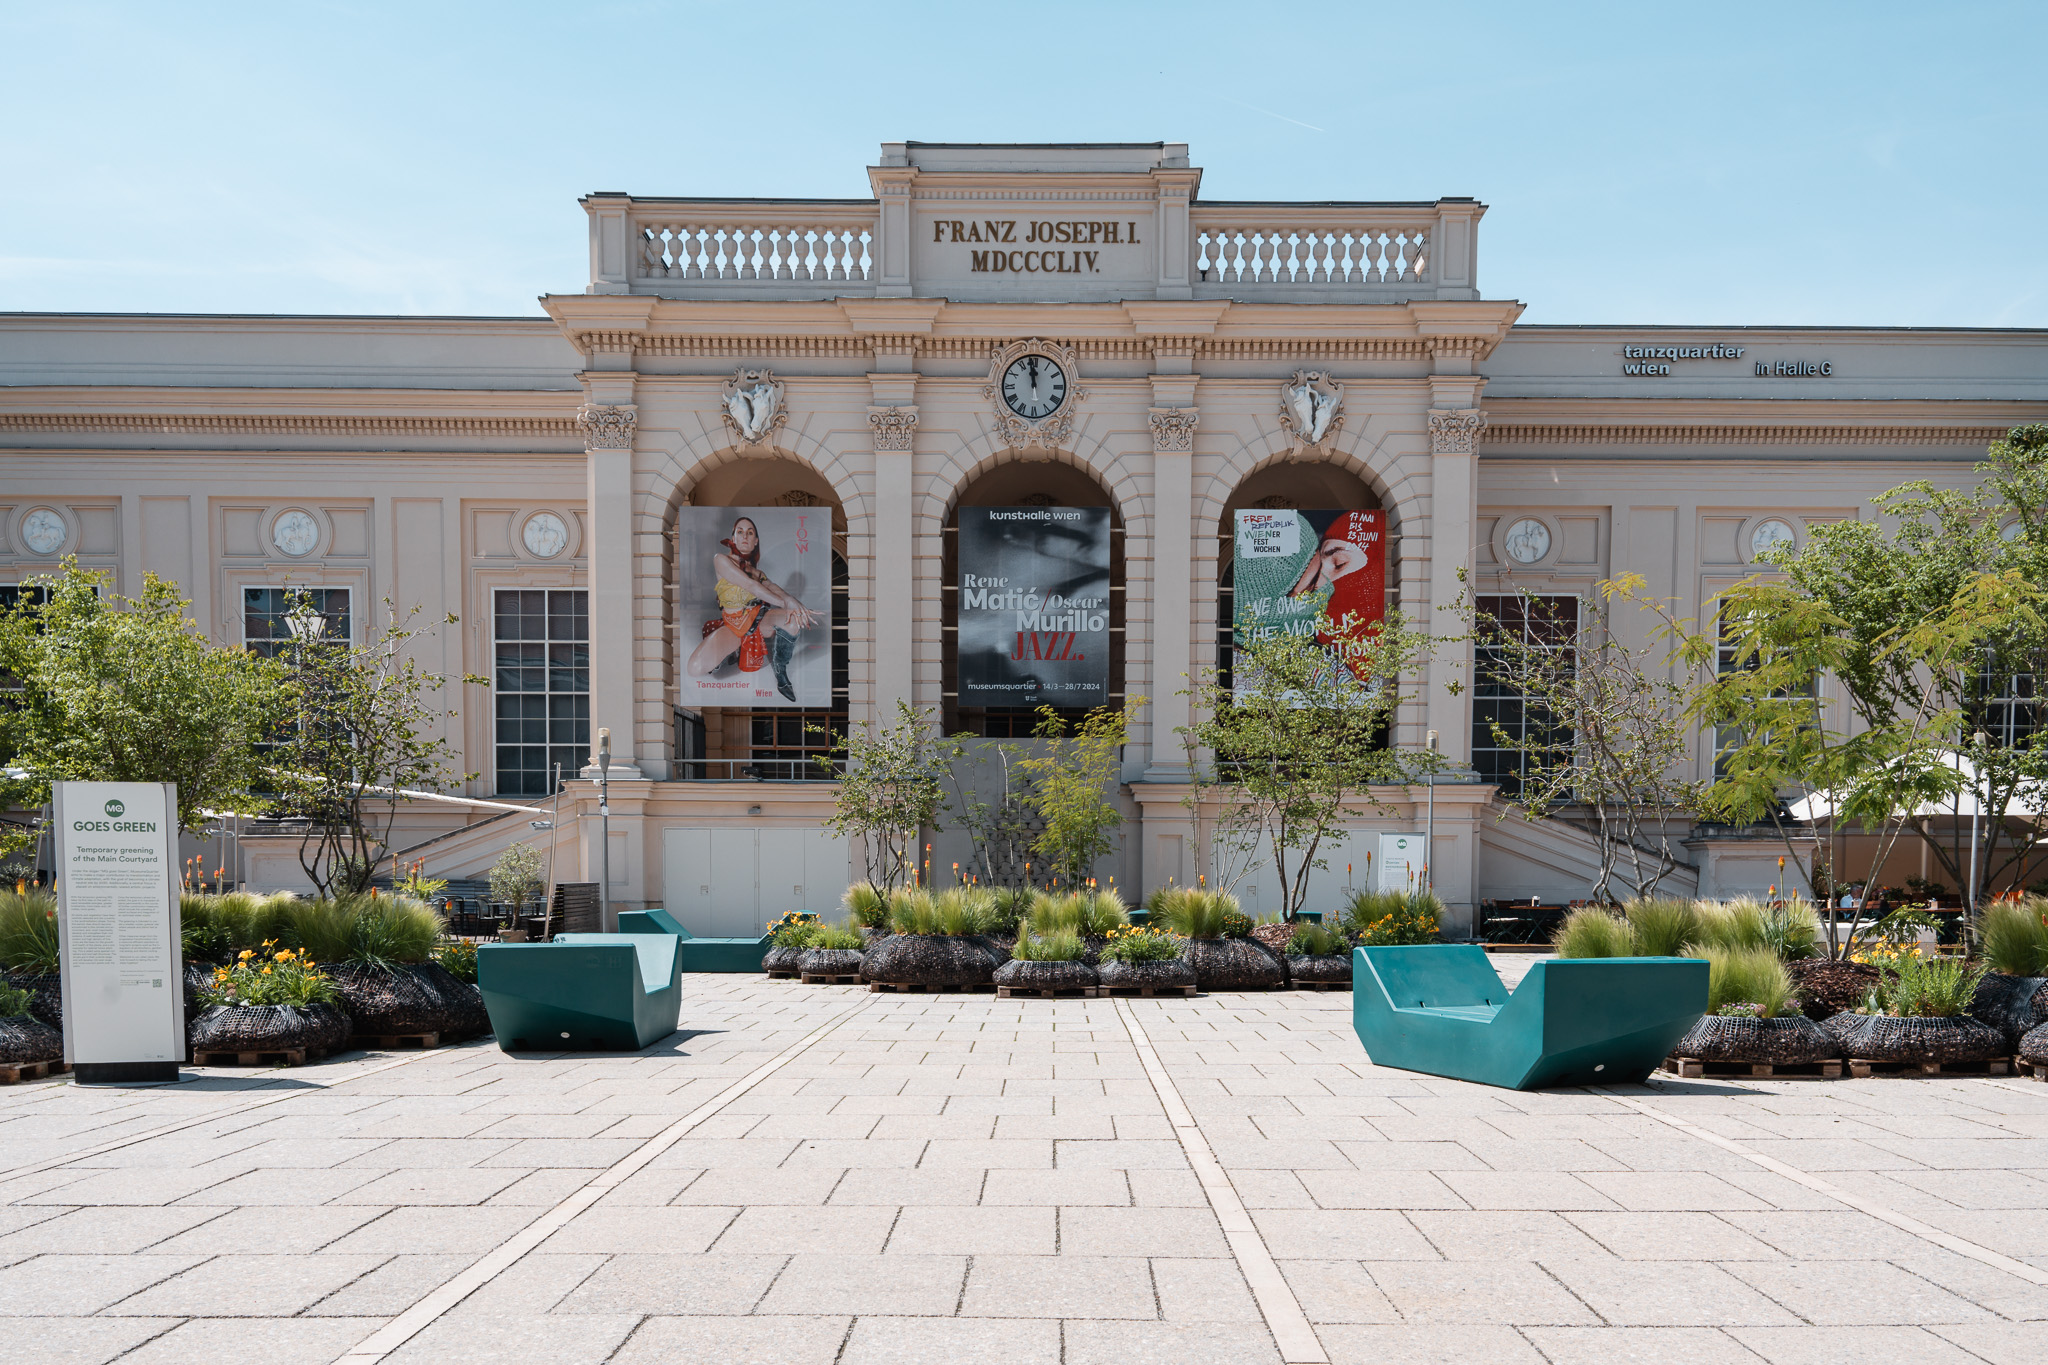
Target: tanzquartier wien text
{"x":1653,"y":354}
{"x":1041,"y":233}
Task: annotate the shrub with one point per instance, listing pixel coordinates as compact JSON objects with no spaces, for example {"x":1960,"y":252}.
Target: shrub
{"x":866,"y":905}
{"x":793,"y":930}
{"x":1060,"y":946}
{"x":458,"y":958}
{"x":28,"y":931}
{"x":836,"y":936}
{"x":1202,"y":914}
{"x":1748,"y":981}
{"x":2013,"y":936}
{"x":1140,"y":943}
{"x":517,"y":876}
{"x":13,"y":1003}
{"x":1382,"y":918}
{"x":1592,"y":932}
{"x":1661,"y":926}
{"x":1314,"y":940}
{"x":1934,"y":987}
{"x":369,"y":928}
{"x":269,"y":976}
{"x":1236,"y":924}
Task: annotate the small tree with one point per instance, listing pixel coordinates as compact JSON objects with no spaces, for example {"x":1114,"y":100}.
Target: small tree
{"x":517,"y":877}
{"x":1071,"y":775}
{"x":1000,"y":832}
{"x":117,"y":689}
{"x":1607,"y":727}
{"x":358,"y":742}
{"x":891,"y":791}
{"x":1283,"y":753}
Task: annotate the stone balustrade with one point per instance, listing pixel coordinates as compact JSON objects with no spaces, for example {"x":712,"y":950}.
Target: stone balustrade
{"x":799,"y":244}
{"x":1269,"y":244}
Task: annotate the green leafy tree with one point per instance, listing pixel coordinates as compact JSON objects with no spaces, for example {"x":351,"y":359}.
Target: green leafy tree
{"x":518,"y":877}
{"x":1071,"y":776}
{"x":118,"y":689}
{"x":1000,"y":831}
{"x":892,"y":790}
{"x":1608,"y":731}
{"x":1285,"y":753}
{"x":359,"y":739}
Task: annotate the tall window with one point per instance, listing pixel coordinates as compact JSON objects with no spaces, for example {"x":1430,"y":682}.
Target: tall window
{"x":784,"y":742}
{"x":541,"y":677}
{"x":2005,"y":702}
{"x":1728,"y":658}
{"x":267,"y":624}
{"x":1548,"y":625}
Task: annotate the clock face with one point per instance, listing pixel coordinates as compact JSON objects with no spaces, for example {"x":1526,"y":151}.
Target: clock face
{"x":1033,"y":387}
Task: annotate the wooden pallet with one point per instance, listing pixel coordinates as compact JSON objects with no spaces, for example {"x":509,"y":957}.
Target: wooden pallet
{"x":1149,"y":990}
{"x":2022,"y":1067}
{"x":829,"y":979}
{"x":1866,"y":1066}
{"x":289,"y":1056}
{"x":1689,"y":1068}
{"x":12,"y":1073}
{"x":1048,"y":993}
{"x":781,"y":976}
{"x":920,"y":989}
{"x":1320,"y":985}
{"x":393,"y":1041}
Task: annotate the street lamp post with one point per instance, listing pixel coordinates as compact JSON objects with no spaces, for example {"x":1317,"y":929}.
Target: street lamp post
{"x":1429,"y":818}
{"x":604,"y":829}
{"x":1976,"y":808}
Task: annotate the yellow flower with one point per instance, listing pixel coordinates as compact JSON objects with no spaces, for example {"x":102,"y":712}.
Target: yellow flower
{"x":266,"y":971}
{"x":246,"y":955}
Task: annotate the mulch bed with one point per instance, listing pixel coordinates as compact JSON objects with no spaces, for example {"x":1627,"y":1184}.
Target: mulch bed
{"x":1827,"y":989}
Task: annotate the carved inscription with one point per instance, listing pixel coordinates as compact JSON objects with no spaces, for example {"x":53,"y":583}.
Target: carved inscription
{"x":1018,"y":245}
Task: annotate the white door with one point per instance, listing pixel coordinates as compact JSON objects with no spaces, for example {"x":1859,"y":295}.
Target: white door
{"x":735,"y":909}
{"x":686,"y":875}
{"x":781,"y":873}
{"x":826,"y":873}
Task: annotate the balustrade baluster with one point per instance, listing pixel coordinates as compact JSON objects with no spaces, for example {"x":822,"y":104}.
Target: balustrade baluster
{"x":683,"y":244}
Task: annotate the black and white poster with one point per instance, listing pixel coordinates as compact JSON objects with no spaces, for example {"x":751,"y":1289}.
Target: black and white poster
{"x":1034,"y":606}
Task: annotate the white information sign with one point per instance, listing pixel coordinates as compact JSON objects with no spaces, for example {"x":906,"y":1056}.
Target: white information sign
{"x":1401,"y":862}
{"x":117,"y":929}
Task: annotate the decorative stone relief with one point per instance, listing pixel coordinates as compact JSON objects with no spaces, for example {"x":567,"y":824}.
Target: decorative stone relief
{"x":606,"y":427}
{"x":753,"y":406}
{"x":1527,"y":541}
{"x":546,"y":535}
{"x":893,"y":427}
{"x":1055,"y":429}
{"x":44,"y":531}
{"x":295,"y":533}
{"x":1311,"y":407}
{"x":1173,"y":429}
{"x":1770,"y":535}
{"x":1454,"y":431}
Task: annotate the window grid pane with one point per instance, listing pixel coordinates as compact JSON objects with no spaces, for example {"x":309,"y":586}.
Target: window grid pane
{"x":1552,"y":625}
{"x":541,"y":674}
{"x":266,"y":613}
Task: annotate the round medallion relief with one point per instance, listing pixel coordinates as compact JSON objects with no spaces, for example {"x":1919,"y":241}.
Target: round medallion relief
{"x":1527,"y":541}
{"x":44,"y":531}
{"x":295,"y":533}
{"x":1770,"y":535}
{"x":2012,"y":530}
{"x":546,"y":535}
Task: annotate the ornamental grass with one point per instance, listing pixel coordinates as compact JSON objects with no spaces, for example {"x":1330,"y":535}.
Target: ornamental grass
{"x":1590,"y":931}
{"x":1316,"y":940}
{"x":1195,"y":913}
{"x":1092,"y":914}
{"x":28,"y":931}
{"x":836,"y":936}
{"x":2012,"y":936}
{"x":1378,"y":919}
{"x":1661,"y":926}
{"x":1748,"y":981}
{"x":1061,"y":945}
{"x":1791,"y":931}
{"x":372,"y":929}
{"x":1926,"y":987}
{"x":866,"y":905}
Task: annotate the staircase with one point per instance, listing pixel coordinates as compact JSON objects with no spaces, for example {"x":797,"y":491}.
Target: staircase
{"x":1551,"y":860}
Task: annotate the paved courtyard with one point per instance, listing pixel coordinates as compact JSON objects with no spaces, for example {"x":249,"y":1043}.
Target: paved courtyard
{"x":808,"y":1175}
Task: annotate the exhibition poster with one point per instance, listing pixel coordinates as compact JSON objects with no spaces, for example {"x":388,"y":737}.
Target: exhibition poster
{"x":118,"y":942}
{"x":1034,"y":606}
{"x":1320,"y":574}
{"x":754,"y":606}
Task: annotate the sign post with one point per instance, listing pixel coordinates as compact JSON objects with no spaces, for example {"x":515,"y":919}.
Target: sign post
{"x":118,"y":931}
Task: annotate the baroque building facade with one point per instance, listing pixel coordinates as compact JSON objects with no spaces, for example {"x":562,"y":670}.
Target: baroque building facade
{"x":533,"y":478}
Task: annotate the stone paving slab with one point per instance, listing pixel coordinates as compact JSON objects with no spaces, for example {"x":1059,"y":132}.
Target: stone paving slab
{"x":957,"y":1178}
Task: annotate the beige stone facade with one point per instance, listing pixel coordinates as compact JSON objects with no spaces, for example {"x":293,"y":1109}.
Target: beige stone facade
{"x":447,"y":461}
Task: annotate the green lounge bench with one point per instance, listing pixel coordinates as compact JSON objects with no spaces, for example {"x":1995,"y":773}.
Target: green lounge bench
{"x":1442,"y":1009}
{"x":698,"y":954}
{"x":582,"y":991}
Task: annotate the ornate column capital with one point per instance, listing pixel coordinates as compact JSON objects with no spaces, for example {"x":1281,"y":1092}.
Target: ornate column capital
{"x":1453,"y":431}
{"x":893,"y":427}
{"x":1173,"y":429}
{"x":608,"y":426}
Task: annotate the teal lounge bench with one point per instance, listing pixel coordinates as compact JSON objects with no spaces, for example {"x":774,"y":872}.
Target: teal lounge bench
{"x":698,"y":954}
{"x":1442,"y":1009}
{"x":582,"y":991}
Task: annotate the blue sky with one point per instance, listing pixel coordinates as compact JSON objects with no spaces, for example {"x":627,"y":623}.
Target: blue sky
{"x":1716,"y":163}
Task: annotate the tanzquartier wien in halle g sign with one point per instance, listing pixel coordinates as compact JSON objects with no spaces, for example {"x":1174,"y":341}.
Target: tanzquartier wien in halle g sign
{"x":763,"y":472}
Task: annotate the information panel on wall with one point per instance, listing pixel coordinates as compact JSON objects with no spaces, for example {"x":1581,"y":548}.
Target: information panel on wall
{"x":117,"y":929}
{"x":754,"y":606}
{"x":1322,"y":574}
{"x":1034,"y":606}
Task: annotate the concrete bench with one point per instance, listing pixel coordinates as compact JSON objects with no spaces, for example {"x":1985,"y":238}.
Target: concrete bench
{"x":582,"y":991}
{"x":1441,"y":1009}
{"x":698,"y":954}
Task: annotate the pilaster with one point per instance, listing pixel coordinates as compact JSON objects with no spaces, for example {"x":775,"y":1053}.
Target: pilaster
{"x":608,"y":421}
{"x":893,"y":424}
{"x":1173,"y":426}
{"x":1453,"y":519}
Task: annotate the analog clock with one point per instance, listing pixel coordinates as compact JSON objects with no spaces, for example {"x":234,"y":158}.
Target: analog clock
{"x":1034,"y":387}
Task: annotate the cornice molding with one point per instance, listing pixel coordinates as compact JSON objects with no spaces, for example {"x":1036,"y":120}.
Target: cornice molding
{"x":289,"y":424}
{"x":1704,"y":434}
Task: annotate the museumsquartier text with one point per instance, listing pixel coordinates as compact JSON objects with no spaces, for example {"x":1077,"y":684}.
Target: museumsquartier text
{"x":1019,"y":429}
